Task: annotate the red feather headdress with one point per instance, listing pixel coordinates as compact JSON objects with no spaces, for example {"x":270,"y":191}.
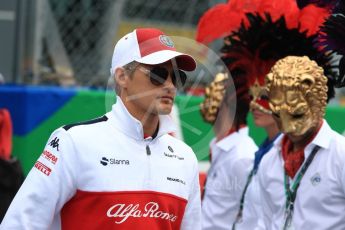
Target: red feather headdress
{"x":257,"y":33}
{"x":225,"y":18}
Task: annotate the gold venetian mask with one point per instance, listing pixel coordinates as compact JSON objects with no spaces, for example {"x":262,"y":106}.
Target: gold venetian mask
{"x":214,"y":95}
{"x":259,"y":98}
{"x":297,"y":91}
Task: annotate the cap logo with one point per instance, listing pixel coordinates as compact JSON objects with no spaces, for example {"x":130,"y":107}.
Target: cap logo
{"x":165,"y":40}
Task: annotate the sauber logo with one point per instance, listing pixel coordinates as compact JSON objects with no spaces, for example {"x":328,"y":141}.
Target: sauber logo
{"x":173,"y":156}
{"x":43,"y":168}
{"x":151,"y":210}
{"x":49,"y":156}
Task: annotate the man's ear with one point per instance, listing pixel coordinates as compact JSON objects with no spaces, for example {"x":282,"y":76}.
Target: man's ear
{"x":120,"y":77}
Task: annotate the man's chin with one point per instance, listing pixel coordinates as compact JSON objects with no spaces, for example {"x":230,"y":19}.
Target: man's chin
{"x":164,"y":110}
{"x":296,"y":136}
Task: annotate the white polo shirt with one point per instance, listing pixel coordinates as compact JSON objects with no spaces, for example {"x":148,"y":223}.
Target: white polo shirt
{"x":320,"y":200}
{"x":232,"y":160}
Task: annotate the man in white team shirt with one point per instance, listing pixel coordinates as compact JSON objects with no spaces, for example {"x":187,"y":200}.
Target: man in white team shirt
{"x":303,"y":186}
{"x":122,"y":170}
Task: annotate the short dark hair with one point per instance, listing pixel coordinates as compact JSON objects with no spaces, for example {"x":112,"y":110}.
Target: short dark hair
{"x":238,"y":94}
{"x":129,"y":68}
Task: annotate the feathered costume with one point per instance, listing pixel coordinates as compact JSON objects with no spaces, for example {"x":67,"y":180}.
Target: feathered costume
{"x":332,"y":37}
{"x":257,"y":33}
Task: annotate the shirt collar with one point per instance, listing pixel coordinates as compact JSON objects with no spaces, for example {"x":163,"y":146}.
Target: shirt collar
{"x":277,"y":143}
{"x":321,"y":139}
{"x":132,"y":127}
{"x":231,"y":140}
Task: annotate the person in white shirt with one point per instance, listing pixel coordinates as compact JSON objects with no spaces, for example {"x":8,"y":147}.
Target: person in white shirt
{"x":249,"y":214}
{"x":303,"y":184}
{"x":232,"y":151}
{"x":251,"y":47}
{"x":122,"y":170}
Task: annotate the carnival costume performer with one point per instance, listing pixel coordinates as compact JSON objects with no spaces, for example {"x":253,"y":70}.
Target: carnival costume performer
{"x":303,"y":184}
{"x":231,"y":162}
{"x":332,"y":37}
{"x":258,"y":33}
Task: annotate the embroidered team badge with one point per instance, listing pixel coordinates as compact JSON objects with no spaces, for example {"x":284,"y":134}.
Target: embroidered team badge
{"x":316,"y":179}
{"x":165,"y":40}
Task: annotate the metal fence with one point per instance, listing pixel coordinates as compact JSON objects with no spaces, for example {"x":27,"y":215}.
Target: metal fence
{"x":85,"y":31}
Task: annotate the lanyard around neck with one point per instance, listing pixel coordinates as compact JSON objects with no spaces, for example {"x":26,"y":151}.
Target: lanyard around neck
{"x":264,"y":148}
{"x":291,"y":193}
{"x":240,"y":211}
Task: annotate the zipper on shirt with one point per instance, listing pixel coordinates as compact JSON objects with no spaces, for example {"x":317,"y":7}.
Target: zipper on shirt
{"x":148,"y":150}
{"x":148,"y":154}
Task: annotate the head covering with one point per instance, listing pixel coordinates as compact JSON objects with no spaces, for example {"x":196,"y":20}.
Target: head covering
{"x":332,"y":37}
{"x":259,"y":32}
{"x":297,"y":91}
{"x":321,"y":3}
{"x":214,"y":94}
{"x":148,"y":46}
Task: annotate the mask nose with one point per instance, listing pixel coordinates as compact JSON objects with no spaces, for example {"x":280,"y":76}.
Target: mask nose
{"x":287,"y":125}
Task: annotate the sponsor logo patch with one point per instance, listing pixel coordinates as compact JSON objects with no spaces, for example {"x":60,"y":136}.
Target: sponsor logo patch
{"x":55,"y":143}
{"x":316,"y":179}
{"x":112,"y":161}
{"x":176,"y":180}
{"x":173,"y":156}
{"x":165,"y":40}
{"x":49,"y":156}
{"x":122,"y":212}
{"x":43,"y":168}
{"x":104,"y":161}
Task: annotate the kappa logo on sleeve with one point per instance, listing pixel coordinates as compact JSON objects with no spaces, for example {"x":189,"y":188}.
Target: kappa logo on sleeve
{"x":49,"y":156}
{"x":43,"y":168}
{"x":55,"y":143}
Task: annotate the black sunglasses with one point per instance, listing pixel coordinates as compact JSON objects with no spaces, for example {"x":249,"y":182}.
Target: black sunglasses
{"x":158,"y":75}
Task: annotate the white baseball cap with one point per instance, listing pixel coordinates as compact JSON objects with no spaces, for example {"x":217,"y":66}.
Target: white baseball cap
{"x":148,"y":46}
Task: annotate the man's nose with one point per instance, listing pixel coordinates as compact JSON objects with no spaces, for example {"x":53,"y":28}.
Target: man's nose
{"x":169,"y":82}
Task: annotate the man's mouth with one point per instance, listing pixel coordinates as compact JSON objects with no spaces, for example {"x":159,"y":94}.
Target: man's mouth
{"x":167,"y":98}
